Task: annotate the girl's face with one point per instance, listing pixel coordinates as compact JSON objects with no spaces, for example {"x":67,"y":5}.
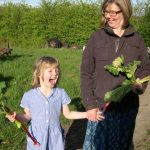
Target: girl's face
{"x":49,"y":77}
{"x":113,"y":16}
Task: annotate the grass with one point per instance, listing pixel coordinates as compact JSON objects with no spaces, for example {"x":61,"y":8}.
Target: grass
{"x":16,"y":71}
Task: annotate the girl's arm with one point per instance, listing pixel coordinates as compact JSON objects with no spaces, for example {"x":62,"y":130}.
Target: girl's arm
{"x":73,"y":114}
{"x":76,"y":115}
{"x":25,"y":117}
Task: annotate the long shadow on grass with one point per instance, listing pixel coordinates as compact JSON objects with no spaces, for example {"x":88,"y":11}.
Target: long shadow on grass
{"x":6,"y":79}
{"x":12,"y":57}
{"x":76,"y":132}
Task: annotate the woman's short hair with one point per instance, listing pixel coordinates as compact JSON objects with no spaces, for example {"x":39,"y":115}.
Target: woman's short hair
{"x":125,"y":7}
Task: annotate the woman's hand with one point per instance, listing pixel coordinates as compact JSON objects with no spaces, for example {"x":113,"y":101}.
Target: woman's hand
{"x":11,"y":117}
{"x":100,"y":116}
{"x":137,"y":87}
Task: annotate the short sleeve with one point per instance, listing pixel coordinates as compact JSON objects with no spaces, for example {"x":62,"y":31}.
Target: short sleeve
{"x":65,"y":98}
{"x":25,"y":101}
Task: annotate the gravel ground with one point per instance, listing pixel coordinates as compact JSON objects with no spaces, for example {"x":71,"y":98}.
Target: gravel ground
{"x":142,"y":130}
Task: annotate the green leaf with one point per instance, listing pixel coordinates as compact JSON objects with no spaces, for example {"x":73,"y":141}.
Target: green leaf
{"x":122,"y":59}
{"x":118,"y":62}
{"x":129,"y":75}
{"x":18,"y":124}
{"x":127,"y":82}
{"x":113,"y":70}
{"x":3,"y":108}
{"x":131,"y":68}
{"x":117,"y":66}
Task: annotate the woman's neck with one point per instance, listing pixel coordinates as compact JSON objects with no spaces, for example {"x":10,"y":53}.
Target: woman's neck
{"x":119,"y":31}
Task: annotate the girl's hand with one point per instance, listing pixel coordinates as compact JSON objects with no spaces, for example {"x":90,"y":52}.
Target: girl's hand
{"x":92,"y":114}
{"x":137,"y":87}
{"x":11,"y":117}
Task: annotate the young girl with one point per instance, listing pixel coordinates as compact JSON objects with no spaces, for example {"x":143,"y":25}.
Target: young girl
{"x":43,"y":105}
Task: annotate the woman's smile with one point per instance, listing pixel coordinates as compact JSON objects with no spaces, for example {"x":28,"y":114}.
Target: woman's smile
{"x":113,"y":16}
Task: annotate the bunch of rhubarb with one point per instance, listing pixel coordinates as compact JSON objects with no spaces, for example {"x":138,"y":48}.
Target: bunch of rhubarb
{"x":118,"y":67}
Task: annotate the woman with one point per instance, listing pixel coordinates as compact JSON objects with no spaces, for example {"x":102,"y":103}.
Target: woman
{"x":116,"y":37}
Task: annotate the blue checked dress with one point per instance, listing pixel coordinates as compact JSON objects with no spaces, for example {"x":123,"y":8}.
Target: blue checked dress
{"x":45,"y":118}
{"x":115,"y":132}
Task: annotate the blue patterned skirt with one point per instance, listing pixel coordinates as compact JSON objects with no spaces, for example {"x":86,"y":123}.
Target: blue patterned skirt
{"x":115,"y":132}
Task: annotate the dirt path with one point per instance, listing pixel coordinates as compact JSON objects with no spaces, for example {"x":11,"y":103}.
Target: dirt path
{"x":143,"y":121}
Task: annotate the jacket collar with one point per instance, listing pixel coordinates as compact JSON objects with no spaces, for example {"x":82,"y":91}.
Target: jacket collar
{"x":129,"y":30}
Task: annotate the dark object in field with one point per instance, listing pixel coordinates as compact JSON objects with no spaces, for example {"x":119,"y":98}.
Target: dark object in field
{"x":5,"y":51}
{"x":54,"y":43}
{"x":74,"y":46}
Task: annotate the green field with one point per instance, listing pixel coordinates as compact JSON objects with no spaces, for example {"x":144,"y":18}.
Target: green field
{"x":16,"y":71}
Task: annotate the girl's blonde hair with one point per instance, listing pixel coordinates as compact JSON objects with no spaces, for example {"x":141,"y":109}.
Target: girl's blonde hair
{"x":41,"y":64}
{"x":125,"y":7}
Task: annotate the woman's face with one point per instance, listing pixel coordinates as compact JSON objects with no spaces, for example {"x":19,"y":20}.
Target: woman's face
{"x":113,"y":16}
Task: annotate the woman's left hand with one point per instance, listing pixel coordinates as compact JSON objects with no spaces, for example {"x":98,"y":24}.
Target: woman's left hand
{"x":100,"y":116}
{"x":137,"y":87}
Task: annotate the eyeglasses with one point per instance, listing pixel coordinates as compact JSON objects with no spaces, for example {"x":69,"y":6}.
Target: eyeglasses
{"x":111,"y":13}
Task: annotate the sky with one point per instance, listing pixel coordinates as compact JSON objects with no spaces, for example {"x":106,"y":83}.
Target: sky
{"x":36,"y":2}
{"x":33,"y":2}
{"x":30,"y":2}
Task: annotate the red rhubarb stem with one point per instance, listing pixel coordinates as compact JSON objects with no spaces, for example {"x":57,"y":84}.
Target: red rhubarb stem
{"x":28,"y":133}
{"x":105,"y":107}
{"x":36,"y":143}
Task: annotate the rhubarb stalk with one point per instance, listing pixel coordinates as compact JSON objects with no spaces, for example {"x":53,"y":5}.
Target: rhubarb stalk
{"x":8,"y":111}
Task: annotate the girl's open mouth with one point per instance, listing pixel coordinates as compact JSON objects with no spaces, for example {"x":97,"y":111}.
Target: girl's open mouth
{"x":52,"y":81}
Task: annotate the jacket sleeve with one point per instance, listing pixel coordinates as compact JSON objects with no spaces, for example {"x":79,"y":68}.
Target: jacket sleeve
{"x":87,"y":71}
{"x":144,"y":69}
